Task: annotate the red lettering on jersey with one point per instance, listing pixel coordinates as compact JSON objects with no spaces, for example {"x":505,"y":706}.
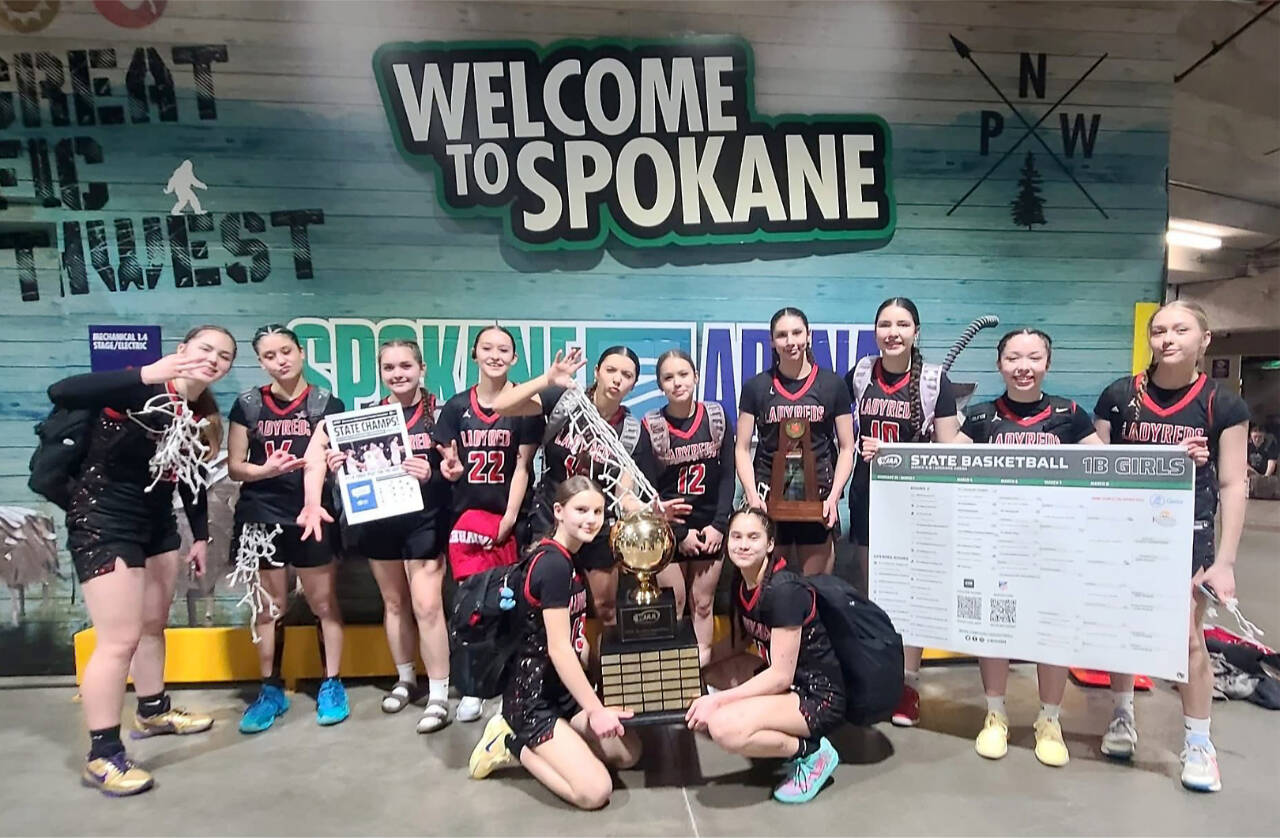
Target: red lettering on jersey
{"x":886,"y":408}
{"x":1158,"y":433}
{"x":778,"y":413}
{"x":1026,"y":438}
{"x":486,"y":438}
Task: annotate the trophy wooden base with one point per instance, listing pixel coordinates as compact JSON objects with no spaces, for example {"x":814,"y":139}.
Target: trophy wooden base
{"x":807,"y":511}
{"x":655,"y":679}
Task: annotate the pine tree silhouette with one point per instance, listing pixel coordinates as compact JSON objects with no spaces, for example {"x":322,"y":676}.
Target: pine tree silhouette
{"x":1028,"y":207}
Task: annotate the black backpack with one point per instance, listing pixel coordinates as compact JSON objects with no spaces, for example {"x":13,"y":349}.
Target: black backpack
{"x":867,"y":645}
{"x":64,"y":442}
{"x":484,"y":628}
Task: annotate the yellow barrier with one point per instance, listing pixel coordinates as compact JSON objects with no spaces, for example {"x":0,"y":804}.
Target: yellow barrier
{"x":226,"y":653}
{"x":1141,"y":346}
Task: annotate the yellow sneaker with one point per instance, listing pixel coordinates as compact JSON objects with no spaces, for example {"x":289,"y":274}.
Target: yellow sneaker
{"x":116,"y":776}
{"x":491,"y":752}
{"x":993,"y":741}
{"x":1050,"y":749}
{"x":174,"y":720}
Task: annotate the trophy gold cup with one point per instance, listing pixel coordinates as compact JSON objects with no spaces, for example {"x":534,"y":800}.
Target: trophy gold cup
{"x":649,"y":661}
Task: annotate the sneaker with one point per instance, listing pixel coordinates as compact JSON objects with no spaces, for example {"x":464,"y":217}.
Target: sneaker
{"x":907,"y":713}
{"x":1200,"y":767}
{"x":174,"y":720}
{"x":807,"y":776}
{"x":470,"y":708}
{"x":1121,"y":738}
{"x":270,"y":704}
{"x":1050,"y":747}
{"x":435,"y":716}
{"x":993,"y":739}
{"x":331,"y":703}
{"x":491,"y":752}
{"x":116,"y":776}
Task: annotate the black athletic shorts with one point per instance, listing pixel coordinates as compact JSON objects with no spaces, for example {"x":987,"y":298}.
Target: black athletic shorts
{"x":104,"y":525}
{"x":291,"y":550}
{"x":532,"y":706}
{"x":823,"y":708}
{"x":1203,"y":548}
{"x":805,"y":532}
{"x":411,"y":536}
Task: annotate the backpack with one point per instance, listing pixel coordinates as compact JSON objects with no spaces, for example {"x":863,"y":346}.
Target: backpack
{"x":867,"y":645}
{"x":251,"y":403}
{"x":63,"y":443}
{"x":660,"y":429}
{"x":930,"y":385}
{"x":629,"y":435}
{"x":484,"y":628}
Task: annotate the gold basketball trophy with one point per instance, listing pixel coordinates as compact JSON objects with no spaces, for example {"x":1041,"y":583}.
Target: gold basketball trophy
{"x":649,"y":660}
{"x":793,"y":482}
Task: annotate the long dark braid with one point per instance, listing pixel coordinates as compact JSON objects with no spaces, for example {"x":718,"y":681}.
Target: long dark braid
{"x":913,"y":393}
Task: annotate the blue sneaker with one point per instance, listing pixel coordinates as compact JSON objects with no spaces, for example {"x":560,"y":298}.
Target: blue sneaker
{"x":331,"y":704}
{"x":270,"y":704}
{"x":807,"y":776}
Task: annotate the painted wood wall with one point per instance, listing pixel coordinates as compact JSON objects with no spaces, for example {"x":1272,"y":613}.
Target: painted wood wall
{"x":289,"y":119}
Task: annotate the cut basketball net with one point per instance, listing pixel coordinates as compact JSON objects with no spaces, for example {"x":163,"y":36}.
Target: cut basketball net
{"x":1248,"y":629}
{"x":257,"y":545}
{"x":607,"y":461}
{"x":181,"y":452}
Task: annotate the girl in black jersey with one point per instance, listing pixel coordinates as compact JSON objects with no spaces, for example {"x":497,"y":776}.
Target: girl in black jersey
{"x":794,"y":387}
{"x":787,"y":707}
{"x":1174,"y":403}
{"x":406,"y":552}
{"x":615,"y":376}
{"x":487,"y":457}
{"x":123,"y":539}
{"x":693,"y":446}
{"x":1025,"y":415}
{"x":270,"y":429}
{"x":902,"y":400}
{"x":551,"y":719}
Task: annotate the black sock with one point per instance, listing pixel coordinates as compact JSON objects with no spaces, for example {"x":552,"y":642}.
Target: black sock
{"x":273,"y":681}
{"x":105,"y":742}
{"x":153,"y":705}
{"x":807,"y":747}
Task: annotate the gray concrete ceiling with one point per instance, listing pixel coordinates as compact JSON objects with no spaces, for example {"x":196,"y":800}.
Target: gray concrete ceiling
{"x":1225,"y":142}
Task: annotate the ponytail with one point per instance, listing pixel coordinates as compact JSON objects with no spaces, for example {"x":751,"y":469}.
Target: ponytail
{"x":1144,"y":379}
{"x":913,"y":393}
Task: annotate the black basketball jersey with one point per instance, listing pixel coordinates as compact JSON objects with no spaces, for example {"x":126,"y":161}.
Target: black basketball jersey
{"x":1048,"y":421}
{"x":1167,"y":417}
{"x":785,"y":600}
{"x":488,"y":446}
{"x":420,"y":422}
{"x":694,"y":455}
{"x":277,"y":427}
{"x":772,"y":399}
{"x":551,"y":581}
{"x":884,"y":413}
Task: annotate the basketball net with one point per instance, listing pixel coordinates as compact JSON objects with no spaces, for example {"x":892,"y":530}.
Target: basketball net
{"x":596,"y":447}
{"x":257,"y":545}
{"x":181,"y":452}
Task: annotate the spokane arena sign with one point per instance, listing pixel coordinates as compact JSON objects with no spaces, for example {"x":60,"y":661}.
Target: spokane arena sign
{"x":651,"y":142}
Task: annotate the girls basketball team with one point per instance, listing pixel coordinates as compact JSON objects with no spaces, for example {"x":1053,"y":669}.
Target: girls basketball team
{"x":473,"y":460}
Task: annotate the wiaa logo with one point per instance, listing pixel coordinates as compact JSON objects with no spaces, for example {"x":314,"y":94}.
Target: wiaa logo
{"x":889,"y":460}
{"x":647,"y":617}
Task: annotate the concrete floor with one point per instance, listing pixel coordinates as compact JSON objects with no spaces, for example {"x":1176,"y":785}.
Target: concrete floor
{"x":374,"y":775}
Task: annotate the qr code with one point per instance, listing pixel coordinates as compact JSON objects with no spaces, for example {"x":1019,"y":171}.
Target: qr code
{"x":1004,"y":611}
{"x":968,"y":607}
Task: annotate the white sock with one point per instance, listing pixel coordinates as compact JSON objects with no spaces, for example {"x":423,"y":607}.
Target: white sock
{"x":1196,"y":728}
{"x":1050,"y":711}
{"x":911,"y":679}
{"x":995,"y":704}
{"x":404,"y":672}
{"x":437,"y":688}
{"x":1123,"y":700}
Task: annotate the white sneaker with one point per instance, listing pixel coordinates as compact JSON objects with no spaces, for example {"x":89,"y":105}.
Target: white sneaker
{"x":1200,"y":767}
{"x":470,"y":708}
{"x":1121,"y":738}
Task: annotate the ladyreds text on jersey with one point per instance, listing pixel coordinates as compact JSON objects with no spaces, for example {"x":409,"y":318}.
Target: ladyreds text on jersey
{"x":654,"y":142}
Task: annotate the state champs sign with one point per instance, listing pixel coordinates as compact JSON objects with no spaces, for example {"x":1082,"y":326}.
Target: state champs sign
{"x":651,"y":142}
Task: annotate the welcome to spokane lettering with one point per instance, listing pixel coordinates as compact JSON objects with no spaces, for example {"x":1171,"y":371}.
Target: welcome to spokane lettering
{"x":654,"y":142}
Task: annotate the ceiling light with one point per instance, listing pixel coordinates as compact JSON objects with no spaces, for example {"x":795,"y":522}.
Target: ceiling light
{"x":1193,"y":240}
{"x":1194,"y":227}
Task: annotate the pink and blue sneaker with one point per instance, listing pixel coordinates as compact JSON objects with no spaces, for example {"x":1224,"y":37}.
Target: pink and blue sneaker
{"x":807,"y":775}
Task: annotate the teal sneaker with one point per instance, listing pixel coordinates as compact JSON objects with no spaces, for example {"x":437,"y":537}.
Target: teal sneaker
{"x":270,"y":704}
{"x":807,"y":776}
{"x":331,"y":703}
